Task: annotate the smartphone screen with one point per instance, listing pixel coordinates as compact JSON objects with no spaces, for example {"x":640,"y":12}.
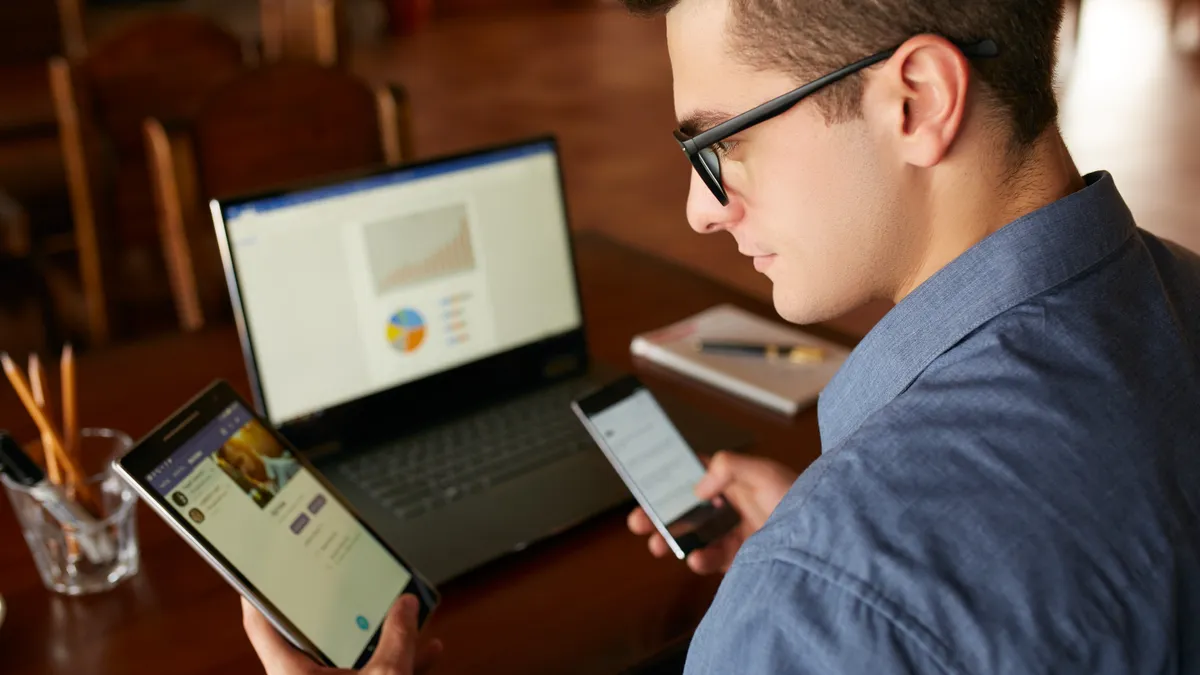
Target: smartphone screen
{"x":653,"y":454}
{"x":656,"y":463}
{"x":245,"y":493}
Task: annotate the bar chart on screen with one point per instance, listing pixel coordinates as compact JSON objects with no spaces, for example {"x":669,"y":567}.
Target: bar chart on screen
{"x":421,"y":289}
{"x":419,"y":247}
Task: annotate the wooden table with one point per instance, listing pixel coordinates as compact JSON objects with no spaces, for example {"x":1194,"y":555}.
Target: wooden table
{"x":589,"y":601}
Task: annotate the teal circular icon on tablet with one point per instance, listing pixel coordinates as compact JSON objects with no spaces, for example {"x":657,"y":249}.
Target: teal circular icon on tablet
{"x":362,"y":622}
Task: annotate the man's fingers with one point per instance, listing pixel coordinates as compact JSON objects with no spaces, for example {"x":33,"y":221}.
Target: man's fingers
{"x":639,"y":523}
{"x":277,"y":655}
{"x":396,"y":652}
{"x":708,"y":560}
{"x":658,"y":546}
{"x":427,"y":654}
{"x":721,"y":471}
{"x":716,"y":557}
{"x":397,"y":646}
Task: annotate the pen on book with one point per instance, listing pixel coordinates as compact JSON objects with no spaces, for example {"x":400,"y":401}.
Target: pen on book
{"x":770,"y":351}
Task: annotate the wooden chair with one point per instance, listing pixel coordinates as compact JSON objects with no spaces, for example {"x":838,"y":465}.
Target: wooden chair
{"x":27,"y":317}
{"x":30,"y":166}
{"x":305,"y":30}
{"x":273,"y":126}
{"x":34,"y":219}
{"x":163,"y":66}
{"x":14,"y":227}
{"x":32,"y":31}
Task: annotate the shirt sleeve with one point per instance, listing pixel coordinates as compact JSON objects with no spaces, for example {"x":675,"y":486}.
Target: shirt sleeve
{"x":776,"y":618}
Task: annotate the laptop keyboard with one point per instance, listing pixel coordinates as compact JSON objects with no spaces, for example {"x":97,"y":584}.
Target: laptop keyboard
{"x":430,"y":469}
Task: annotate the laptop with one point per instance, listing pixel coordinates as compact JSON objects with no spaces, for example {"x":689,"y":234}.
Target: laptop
{"x":418,"y":333}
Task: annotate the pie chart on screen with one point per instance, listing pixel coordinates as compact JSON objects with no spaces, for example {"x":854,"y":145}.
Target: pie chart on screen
{"x":406,"y":330}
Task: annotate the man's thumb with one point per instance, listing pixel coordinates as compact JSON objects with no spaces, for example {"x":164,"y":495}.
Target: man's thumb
{"x":398,"y":638}
{"x":721,"y":471}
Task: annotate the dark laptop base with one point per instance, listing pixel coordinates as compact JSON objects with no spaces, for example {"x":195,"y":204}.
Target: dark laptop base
{"x":467,"y":533}
{"x":526,"y":498}
{"x":458,"y":535}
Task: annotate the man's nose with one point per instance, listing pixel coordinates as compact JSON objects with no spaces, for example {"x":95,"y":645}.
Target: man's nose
{"x":705,"y":213}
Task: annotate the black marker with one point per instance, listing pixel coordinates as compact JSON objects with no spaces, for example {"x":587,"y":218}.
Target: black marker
{"x":16,"y":464}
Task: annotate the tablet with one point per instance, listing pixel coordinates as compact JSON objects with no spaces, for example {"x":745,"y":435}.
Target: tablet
{"x":272,"y":526}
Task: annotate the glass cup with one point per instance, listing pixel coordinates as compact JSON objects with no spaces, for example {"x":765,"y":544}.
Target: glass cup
{"x":73,"y":556}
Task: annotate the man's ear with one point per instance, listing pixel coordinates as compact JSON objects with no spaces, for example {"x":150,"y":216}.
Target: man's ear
{"x":919,"y":98}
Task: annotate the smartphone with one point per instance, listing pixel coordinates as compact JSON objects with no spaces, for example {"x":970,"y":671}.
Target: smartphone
{"x":247,"y":501}
{"x":656,"y":463}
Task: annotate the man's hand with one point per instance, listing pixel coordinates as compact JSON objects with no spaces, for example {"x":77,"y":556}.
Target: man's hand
{"x":396,"y":654}
{"x":753,"y":485}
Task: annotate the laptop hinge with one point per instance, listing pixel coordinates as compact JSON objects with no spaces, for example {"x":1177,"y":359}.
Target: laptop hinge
{"x":322,"y":450}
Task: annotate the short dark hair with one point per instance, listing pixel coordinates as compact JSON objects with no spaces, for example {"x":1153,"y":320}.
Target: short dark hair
{"x":812,"y":37}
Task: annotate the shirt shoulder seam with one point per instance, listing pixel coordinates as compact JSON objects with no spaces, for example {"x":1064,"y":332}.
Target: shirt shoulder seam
{"x":874,"y":600}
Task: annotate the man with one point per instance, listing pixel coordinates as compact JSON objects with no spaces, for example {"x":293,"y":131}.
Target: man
{"x":1010,"y":474}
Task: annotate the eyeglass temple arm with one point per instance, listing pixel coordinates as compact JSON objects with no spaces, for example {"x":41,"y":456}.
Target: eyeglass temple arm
{"x":983,"y":49}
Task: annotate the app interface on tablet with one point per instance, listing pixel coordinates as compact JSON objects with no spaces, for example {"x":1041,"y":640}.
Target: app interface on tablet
{"x":246,"y":494}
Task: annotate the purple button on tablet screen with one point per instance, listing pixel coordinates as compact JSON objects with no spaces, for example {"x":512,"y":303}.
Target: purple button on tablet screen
{"x":299,"y":523}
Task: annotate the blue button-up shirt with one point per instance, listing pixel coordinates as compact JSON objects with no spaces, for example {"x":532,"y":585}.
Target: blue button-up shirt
{"x":1010,"y":477}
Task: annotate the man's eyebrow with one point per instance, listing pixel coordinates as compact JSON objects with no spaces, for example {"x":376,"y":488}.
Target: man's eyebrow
{"x":700,"y":121}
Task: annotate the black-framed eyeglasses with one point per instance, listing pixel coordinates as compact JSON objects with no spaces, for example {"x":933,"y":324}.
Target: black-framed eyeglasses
{"x":700,"y":148}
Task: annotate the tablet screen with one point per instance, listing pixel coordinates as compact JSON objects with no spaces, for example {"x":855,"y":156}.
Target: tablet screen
{"x":248,"y":497}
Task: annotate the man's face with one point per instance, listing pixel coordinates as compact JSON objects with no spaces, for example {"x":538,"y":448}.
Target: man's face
{"x":817,"y":206}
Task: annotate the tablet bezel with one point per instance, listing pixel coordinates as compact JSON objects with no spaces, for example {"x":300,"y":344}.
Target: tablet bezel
{"x":150,"y":452}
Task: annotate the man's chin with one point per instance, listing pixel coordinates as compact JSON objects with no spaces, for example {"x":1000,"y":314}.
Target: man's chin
{"x":800,"y":308}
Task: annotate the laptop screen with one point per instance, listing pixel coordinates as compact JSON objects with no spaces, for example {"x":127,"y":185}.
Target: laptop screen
{"x":357,"y":287}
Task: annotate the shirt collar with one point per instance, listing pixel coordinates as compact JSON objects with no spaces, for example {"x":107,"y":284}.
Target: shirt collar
{"x":1024,"y":258}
